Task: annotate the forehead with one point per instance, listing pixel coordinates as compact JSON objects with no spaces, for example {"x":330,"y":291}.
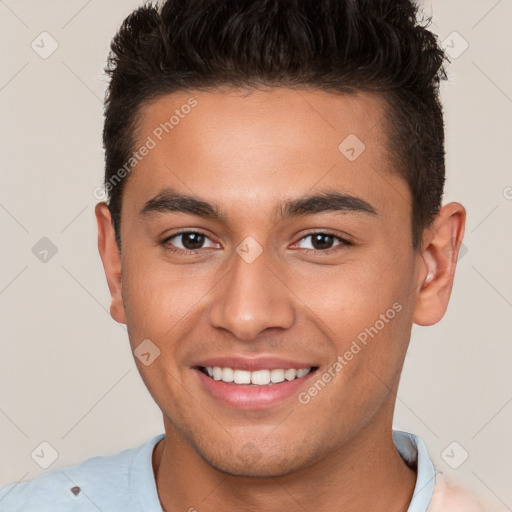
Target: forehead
{"x":257,"y":116}
{"x":248,"y":147}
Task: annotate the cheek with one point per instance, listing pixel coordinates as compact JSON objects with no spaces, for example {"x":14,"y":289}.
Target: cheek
{"x":351,"y":295}
{"x":364,"y":309}
{"x":158,"y":295}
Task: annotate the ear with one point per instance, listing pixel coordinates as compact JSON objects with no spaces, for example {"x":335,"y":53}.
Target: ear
{"x":438,"y":260}
{"x":111,"y":258}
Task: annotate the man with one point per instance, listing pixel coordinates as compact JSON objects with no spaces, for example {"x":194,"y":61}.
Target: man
{"x":275,"y":173}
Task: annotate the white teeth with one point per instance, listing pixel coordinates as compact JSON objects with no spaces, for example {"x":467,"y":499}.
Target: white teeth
{"x":290,"y":374}
{"x":258,"y":377}
{"x":228,"y":374}
{"x":241,"y":377}
{"x":277,"y":375}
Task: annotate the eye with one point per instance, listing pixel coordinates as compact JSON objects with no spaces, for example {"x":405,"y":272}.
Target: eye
{"x":187,"y":241}
{"x":323,"y":242}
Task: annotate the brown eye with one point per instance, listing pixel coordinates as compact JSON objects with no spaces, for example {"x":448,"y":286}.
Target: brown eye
{"x":192,"y":240}
{"x":188,"y":241}
{"x":323,"y":241}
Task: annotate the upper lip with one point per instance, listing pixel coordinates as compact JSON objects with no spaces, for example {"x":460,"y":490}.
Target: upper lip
{"x":252,"y":363}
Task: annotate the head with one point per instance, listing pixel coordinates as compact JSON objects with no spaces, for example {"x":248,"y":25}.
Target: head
{"x":308,"y":135}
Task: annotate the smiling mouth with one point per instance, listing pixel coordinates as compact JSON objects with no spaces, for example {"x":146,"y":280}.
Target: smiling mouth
{"x":255,"y":378}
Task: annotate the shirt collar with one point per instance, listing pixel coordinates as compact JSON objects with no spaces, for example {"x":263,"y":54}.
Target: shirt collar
{"x":142,"y":478}
{"x":414,"y":453}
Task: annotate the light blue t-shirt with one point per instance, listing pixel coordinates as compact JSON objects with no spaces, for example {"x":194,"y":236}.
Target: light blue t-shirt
{"x":124,"y":482}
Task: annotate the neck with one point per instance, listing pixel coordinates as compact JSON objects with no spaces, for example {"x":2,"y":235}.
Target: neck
{"x":365,"y":474}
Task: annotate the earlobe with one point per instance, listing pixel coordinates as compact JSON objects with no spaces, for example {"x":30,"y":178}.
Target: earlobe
{"x":111,"y":259}
{"x":437,"y":263}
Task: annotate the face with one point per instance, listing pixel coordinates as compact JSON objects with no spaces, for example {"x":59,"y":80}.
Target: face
{"x":292,"y":251}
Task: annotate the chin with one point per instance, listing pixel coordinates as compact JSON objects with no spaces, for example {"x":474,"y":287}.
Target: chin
{"x":252,"y":461}
{"x":261,"y":469}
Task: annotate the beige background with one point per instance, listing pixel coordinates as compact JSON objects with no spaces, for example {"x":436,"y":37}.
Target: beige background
{"x":67,"y":376}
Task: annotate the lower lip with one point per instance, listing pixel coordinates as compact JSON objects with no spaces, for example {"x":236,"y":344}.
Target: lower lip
{"x":251,"y":397}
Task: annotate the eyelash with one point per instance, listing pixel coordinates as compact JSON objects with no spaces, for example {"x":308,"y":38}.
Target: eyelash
{"x":315,"y":252}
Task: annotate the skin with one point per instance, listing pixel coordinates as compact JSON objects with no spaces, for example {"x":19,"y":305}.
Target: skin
{"x":248,"y":151}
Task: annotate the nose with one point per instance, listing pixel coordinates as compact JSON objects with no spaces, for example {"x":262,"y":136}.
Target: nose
{"x":250,"y":299}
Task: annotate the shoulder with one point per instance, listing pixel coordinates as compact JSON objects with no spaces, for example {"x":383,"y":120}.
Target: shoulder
{"x":69,"y":487}
{"x":448,"y":496}
{"x":97,"y":481}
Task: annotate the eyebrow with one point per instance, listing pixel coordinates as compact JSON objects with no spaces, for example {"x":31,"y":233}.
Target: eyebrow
{"x":171,"y":201}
